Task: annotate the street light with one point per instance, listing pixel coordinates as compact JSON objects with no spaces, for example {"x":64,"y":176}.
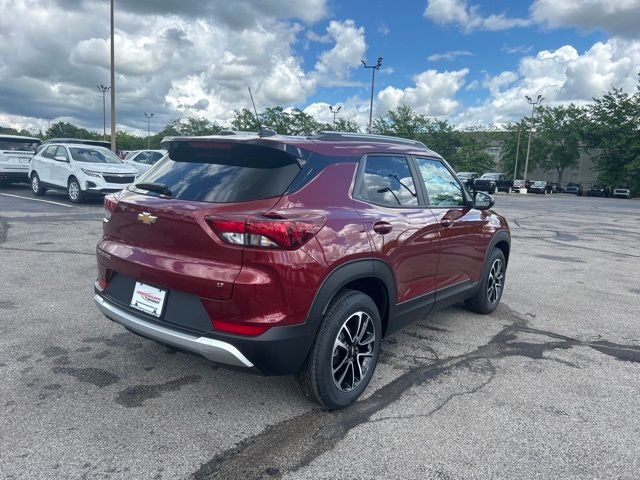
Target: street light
{"x":373,"y":77}
{"x":113,"y":86}
{"x":533,"y":104}
{"x":104,"y":91}
{"x":515,"y":167}
{"x":334,"y":110}
{"x":149,"y":117}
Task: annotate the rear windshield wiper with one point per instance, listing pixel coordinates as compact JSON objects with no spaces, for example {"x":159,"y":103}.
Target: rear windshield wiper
{"x":155,"y":187}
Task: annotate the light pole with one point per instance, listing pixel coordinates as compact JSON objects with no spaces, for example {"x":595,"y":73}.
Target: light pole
{"x":515,"y":167}
{"x":533,"y":104}
{"x":113,"y":87}
{"x":149,"y":117}
{"x":373,"y":77}
{"x":334,"y":110}
{"x":104,"y":91}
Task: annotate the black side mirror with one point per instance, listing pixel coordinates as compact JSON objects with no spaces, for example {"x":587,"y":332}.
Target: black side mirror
{"x":482,"y":201}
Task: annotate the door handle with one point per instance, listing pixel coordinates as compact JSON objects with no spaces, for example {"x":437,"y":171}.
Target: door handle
{"x":382,"y":227}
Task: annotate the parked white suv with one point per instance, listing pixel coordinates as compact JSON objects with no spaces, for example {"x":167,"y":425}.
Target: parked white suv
{"x":143,"y":160}
{"x":15,"y":152}
{"x":79,"y":169}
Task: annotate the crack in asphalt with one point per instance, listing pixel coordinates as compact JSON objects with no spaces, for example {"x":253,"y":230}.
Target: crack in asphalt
{"x":41,"y":250}
{"x":294,"y":443}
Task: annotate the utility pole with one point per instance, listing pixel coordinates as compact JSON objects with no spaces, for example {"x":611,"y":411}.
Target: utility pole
{"x":515,"y":168}
{"x":373,"y":78}
{"x":533,"y":104}
{"x":113,"y":86}
{"x":104,"y":91}
{"x":334,"y":110}
{"x":149,"y":117}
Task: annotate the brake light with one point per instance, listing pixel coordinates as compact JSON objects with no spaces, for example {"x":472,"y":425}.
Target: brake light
{"x":268,"y":232}
{"x":110,"y":204}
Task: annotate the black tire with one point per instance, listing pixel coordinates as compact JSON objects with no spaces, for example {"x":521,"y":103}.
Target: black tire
{"x":74,"y":192}
{"x":481,"y":302}
{"x":316,"y":377}
{"x":36,"y":185}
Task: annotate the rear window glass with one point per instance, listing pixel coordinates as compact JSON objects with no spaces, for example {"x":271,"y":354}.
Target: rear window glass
{"x":223,"y":172}
{"x":18,"y":145}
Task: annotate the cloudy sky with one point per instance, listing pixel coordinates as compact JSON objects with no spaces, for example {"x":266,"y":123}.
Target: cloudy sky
{"x":470,"y":61}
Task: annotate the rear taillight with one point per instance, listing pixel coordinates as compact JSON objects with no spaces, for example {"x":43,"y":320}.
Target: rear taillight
{"x":240,"y":328}
{"x":267,"y":231}
{"x":110,"y":204}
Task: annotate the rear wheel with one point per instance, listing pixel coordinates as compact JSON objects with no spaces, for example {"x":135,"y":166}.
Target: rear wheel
{"x":344,"y":355}
{"x":489,"y":293}
{"x":74,"y":192}
{"x":36,"y":186}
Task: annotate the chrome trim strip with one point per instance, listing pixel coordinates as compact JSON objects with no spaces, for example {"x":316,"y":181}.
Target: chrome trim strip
{"x":214,"y":350}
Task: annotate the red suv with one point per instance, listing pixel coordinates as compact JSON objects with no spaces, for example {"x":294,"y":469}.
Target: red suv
{"x":296,"y":255}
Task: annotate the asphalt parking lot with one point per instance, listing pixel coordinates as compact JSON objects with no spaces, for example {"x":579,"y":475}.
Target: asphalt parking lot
{"x":546,"y":387}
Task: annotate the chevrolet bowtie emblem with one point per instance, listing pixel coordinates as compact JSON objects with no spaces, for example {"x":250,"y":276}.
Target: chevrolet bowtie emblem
{"x":147,"y":218}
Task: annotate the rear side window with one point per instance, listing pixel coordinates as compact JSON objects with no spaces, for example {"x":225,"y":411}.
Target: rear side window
{"x":50,"y":152}
{"x":223,"y":172}
{"x":387,"y":181}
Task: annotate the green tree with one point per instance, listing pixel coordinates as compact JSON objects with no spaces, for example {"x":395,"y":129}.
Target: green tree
{"x":472,"y":154}
{"x":343,"y":125}
{"x":560,"y":130}
{"x":245,"y":121}
{"x":68,"y":130}
{"x":613,"y":134}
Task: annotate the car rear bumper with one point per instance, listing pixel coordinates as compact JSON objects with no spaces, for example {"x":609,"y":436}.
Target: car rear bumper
{"x":12,"y":176}
{"x":212,"y":349}
{"x":279,"y":351}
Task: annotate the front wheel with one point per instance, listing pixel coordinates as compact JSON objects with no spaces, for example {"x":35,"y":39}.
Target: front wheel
{"x":74,"y":192}
{"x":490,"y":290}
{"x":344,"y":355}
{"x":36,"y":186}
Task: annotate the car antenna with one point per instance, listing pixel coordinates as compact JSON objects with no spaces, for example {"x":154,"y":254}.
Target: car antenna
{"x":262,"y":132}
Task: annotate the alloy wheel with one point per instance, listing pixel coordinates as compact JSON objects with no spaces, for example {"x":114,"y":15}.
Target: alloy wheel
{"x":353,"y":351}
{"x":496,"y":281}
{"x":74,"y":190}
{"x":35,"y":184}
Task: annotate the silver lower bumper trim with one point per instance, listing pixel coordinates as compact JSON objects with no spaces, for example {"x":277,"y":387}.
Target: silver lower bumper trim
{"x":214,"y":350}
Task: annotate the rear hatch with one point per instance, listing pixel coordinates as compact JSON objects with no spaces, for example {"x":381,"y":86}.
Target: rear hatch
{"x":160,"y":230}
{"x":16,"y":152}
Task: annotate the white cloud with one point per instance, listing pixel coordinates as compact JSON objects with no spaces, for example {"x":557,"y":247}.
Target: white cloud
{"x":433,"y":93}
{"x":468,"y":17}
{"x":347,"y":52}
{"x":449,"y":56}
{"x":562,"y":76}
{"x":620,"y":17}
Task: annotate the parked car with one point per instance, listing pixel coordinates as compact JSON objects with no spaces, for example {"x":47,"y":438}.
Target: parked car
{"x":554,"y":187}
{"x":15,"y":152}
{"x":598,"y":190}
{"x":468,"y":178}
{"x":231,"y":249}
{"x":79,"y":169}
{"x":143,"y":160}
{"x":574,"y":189}
{"x":539,"y":186}
{"x":493,"y":182}
{"x":519,"y":183}
{"x":622,"y":192}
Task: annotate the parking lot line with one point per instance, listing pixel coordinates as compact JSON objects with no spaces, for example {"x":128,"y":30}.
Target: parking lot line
{"x":36,"y":200}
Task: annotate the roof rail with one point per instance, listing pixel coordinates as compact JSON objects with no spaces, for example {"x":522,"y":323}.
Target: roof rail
{"x":347,"y":136}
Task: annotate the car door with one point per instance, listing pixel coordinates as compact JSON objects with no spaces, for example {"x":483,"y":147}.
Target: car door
{"x":61,"y":168}
{"x":43,"y":163}
{"x":402,"y":230}
{"x":464,"y":235}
